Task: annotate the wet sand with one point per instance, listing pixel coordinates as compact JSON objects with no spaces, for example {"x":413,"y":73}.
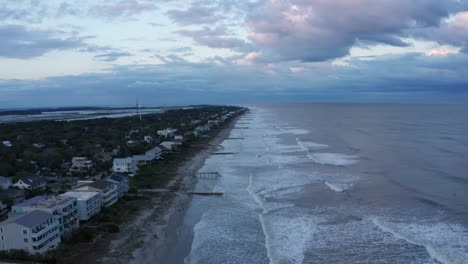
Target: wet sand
{"x":152,"y":235}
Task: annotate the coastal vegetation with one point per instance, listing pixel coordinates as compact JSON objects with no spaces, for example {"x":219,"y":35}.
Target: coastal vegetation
{"x":100,"y":140}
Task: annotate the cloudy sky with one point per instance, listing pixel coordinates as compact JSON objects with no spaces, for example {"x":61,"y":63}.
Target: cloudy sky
{"x":103,"y":52}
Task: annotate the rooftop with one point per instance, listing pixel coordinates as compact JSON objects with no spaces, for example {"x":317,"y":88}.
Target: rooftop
{"x":100,"y":184}
{"x":81,"y":195}
{"x":28,"y":219}
{"x":123,"y":160}
{"x":45,"y":201}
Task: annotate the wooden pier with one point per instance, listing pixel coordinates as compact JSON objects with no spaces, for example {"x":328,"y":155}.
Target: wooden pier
{"x":206,"y":184}
{"x":208,"y":175}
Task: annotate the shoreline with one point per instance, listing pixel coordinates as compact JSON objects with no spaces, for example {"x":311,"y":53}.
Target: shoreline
{"x":148,"y":236}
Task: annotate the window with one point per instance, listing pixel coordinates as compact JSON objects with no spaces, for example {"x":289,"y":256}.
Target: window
{"x":25,"y":232}
{"x":1,"y":229}
{"x":3,"y":238}
{"x":26,"y":240}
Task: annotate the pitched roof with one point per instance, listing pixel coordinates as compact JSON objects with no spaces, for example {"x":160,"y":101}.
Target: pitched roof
{"x":29,"y":219}
{"x":34,"y":181}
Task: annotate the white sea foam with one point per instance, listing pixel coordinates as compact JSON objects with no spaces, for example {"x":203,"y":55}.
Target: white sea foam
{"x":333,"y":159}
{"x":287,"y":233}
{"x":338,"y":187}
{"x":306,"y":145}
{"x":447,"y":243}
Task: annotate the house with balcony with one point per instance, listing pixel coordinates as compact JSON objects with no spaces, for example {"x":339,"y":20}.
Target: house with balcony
{"x":108,"y":191}
{"x":125,"y":165}
{"x":89,"y":203}
{"x":121,"y":180}
{"x":81,"y":164}
{"x":34,"y":231}
{"x":65,"y":208}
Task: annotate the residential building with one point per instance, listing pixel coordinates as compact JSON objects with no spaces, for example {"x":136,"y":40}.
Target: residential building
{"x":155,"y":153}
{"x":35,"y":231}
{"x":65,"y":208}
{"x":81,"y":164}
{"x":125,"y":165}
{"x":148,"y":139}
{"x":169,"y":145}
{"x":108,"y":191}
{"x":7,"y":143}
{"x":89,"y":203}
{"x":31,"y":183}
{"x":179,"y":137}
{"x":5,"y":182}
{"x":142,"y":159}
{"x":168,"y":132}
{"x":121,"y":180}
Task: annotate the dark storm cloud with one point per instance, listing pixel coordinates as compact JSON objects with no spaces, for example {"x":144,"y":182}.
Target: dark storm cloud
{"x":19,"y":42}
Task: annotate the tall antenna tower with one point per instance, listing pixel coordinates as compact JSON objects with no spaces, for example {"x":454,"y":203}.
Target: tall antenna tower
{"x":138,"y":112}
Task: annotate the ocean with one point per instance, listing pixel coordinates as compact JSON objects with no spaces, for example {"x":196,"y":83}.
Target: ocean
{"x":335,"y":183}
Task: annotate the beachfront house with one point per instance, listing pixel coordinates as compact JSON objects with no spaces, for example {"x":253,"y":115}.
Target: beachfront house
{"x":65,"y":208}
{"x":5,"y":182}
{"x":108,"y":191}
{"x":89,"y":203}
{"x":81,"y":164}
{"x":121,"y":180}
{"x":201,"y":129}
{"x":125,"y":165}
{"x":155,"y":153}
{"x":34,"y":231}
{"x":169,"y":145}
{"x":31,"y":183}
{"x":142,"y":159}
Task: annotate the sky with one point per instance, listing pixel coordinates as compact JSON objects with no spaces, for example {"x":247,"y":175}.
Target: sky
{"x":179,"y":52}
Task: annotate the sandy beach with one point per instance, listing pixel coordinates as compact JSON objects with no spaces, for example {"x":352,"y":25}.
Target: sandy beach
{"x":147,"y":237}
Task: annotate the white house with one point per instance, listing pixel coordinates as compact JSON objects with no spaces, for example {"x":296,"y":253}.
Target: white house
{"x":31,"y":183}
{"x":148,"y":139}
{"x":108,"y":191}
{"x":64,"y":207}
{"x":125,"y":165}
{"x":168,"y":132}
{"x":81,"y":164}
{"x":5,"y":182}
{"x":89,"y":203}
{"x":35,"y":231}
{"x":7,"y":143}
